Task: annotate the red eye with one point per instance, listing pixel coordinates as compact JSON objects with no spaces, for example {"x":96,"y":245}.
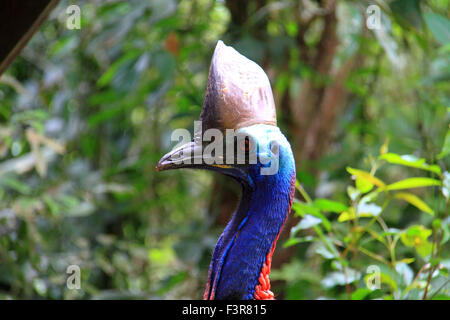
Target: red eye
{"x":245,"y":145}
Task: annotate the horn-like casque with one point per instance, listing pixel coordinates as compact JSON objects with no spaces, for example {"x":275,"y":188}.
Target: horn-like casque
{"x":238,"y":93}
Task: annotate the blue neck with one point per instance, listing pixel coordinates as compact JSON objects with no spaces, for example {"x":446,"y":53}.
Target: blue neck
{"x":250,"y":235}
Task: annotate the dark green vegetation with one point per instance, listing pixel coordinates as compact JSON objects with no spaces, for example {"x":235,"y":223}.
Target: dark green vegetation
{"x":86,"y":114}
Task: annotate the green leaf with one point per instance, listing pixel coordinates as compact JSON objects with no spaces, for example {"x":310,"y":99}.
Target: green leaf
{"x":15,"y":185}
{"x":439,"y":26}
{"x":415,"y":201}
{"x":440,"y":297}
{"x":302,"y":208}
{"x":52,"y":205}
{"x":413,"y":183}
{"x":106,"y":114}
{"x":68,"y":201}
{"x":350,"y":214}
{"x":364,"y":210}
{"x":406,"y":260}
{"x":106,"y":97}
{"x":363,"y":185}
{"x":329,"y":205}
{"x":353,"y":193}
{"x":360,"y":294}
{"x":425,"y":248}
{"x":446,"y":147}
{"x":370,"y":196}
{"x":366,"y":176}
{"x":308,"y":221}
{"x":161,"y":256}
{"x":417,"y":236}
{"x":64,"y":45}
{"x":173,"y":281}
{"x":294,"y":240}
{"x":109,"y":74}
{"x":40,"y":286}
{"x":291,"y":242}
{"x":410,"y":161}
{"x":82,"y":210}
{"x":324,"y":252}
{"x":407,"y":12}
{"x":387,"y":279}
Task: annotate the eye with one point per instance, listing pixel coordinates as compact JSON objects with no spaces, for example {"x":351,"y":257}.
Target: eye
{"x":244,"y":145}
{"x":274,"y":148}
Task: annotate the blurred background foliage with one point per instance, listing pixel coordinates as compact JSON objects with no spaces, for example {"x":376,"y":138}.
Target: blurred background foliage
{"x":86,"y":114}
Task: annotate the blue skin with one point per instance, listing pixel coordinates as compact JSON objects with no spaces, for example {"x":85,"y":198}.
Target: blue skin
{"x":243,"y":246}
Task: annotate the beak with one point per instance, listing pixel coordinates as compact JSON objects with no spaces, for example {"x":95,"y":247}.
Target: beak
{"x":189,"y":155}
{"x":180,"y":157}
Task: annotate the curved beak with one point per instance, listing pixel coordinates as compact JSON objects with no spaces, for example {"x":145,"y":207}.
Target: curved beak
{"x":183,"y":156}
{"x":190,"y":155}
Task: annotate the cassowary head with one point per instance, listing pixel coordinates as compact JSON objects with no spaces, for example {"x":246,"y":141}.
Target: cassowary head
{"x":238,"y":136}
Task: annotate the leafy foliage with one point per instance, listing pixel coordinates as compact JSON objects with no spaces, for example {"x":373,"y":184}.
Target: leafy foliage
{"x":355,"y":238}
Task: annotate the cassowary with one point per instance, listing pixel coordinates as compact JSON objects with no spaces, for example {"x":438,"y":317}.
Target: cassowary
{"x":239,"y":97}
